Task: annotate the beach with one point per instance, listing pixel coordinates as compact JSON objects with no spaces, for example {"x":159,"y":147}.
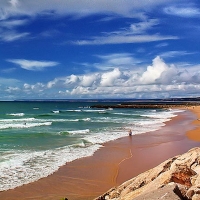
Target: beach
{"x":114,"y":163}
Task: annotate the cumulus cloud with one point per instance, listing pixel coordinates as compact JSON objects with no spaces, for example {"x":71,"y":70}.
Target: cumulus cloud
{"x":88,"y":81}
{"x":161,"y":73}
{"x":12,"y":89}
{"x":153,"y":72}
{"x":109,"y":78}
{"x":33,"y":65}
{"x":158,"y":77}
{"x":157,"y":80}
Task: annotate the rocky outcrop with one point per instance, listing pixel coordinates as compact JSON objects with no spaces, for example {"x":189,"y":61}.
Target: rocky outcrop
{"x":176,"y":178}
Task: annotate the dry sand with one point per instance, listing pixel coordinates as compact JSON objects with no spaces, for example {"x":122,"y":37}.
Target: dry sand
{"x":115,"y":163}
{"x":195,"y":133}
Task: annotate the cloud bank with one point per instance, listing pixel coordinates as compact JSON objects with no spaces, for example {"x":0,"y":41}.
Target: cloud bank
{"x":158,"y":80}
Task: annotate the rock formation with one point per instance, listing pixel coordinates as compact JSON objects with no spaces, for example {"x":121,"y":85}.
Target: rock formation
{"x":177,"y":178}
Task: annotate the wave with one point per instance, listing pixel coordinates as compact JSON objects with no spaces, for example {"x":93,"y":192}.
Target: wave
{"x":85,"y":131}
{"x":36,"y":120}
{"x":16,"y":114}
{"x":16,"y":120}
{"x":85,"y":119}
{"x":63,"y":111}
{"x":23,"y":125}
{"x":95,"y":110}
{"x":56,"y":111}
{"x":25,"y":167}
{"x":161,"y":115}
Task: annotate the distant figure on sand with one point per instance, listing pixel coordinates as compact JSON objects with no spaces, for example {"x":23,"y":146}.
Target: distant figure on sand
{"x":130,"y":132}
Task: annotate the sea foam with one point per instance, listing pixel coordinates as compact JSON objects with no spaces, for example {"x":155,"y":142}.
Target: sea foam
{"x":24,"y":167}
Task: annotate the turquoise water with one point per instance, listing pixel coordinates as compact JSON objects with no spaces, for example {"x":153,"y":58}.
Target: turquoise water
{"x":36,"y":138}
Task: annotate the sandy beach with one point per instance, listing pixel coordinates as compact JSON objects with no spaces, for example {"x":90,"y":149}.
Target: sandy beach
{"x":116,"y":162}
{"x":195,"y":134}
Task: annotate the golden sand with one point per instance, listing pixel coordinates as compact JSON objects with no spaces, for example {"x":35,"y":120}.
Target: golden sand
{"x":194,"y":134}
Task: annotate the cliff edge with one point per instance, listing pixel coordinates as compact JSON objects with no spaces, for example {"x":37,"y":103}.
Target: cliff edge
{"x":177,"y":178}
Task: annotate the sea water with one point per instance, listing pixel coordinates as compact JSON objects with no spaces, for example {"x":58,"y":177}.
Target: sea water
{"x":36,"y":138}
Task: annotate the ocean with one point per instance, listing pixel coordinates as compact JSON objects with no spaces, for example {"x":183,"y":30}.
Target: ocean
{"x":38,"y":137}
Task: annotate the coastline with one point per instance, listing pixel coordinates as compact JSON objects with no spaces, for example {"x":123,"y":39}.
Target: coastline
{"x":113,"y":164}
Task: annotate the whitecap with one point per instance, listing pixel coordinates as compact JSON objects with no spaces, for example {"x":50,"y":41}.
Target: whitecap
{"x":85,"y":131}
{"x":24,"y":167}
{"x":16,"y":114}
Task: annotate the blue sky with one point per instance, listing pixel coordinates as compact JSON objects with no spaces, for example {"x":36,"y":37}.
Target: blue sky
{"x":63,"y":49}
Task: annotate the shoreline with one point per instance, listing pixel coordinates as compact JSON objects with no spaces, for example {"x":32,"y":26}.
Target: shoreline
{"x":116,"y":162}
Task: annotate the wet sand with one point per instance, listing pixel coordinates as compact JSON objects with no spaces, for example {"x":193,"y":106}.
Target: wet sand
{"x":116,"y":162}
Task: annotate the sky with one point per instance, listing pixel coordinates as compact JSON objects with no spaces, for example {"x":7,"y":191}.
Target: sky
{"x":69,"y":49}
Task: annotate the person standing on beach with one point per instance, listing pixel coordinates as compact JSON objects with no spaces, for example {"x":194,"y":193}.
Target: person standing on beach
{"x":130,"y":132}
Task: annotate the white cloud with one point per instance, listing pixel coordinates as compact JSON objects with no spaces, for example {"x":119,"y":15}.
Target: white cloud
{"x":110,"y":78}
{"x":153,"y":72}
{"x":13,"y":89}
{"x":14,"y":3}
{"x":9,"y":81}
{"x":88,"y":81}
{"x":141,"y":27}
{"x":135,"y":33}
{"x":164,"y":44}
{"x":9,"y":36}
{"x":157,"y":80}
{"x":77,"y":7}
{"x":8,"y":70}
{"x":175,"y":53}
{"x":183,"y":11}
{"x":33,"y":65}
{"x":120,"y":39}
{"x":8,"y":32}
{"x":159,"y":77}
{"x":13,"y":23}
{"x":119,"y":60}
